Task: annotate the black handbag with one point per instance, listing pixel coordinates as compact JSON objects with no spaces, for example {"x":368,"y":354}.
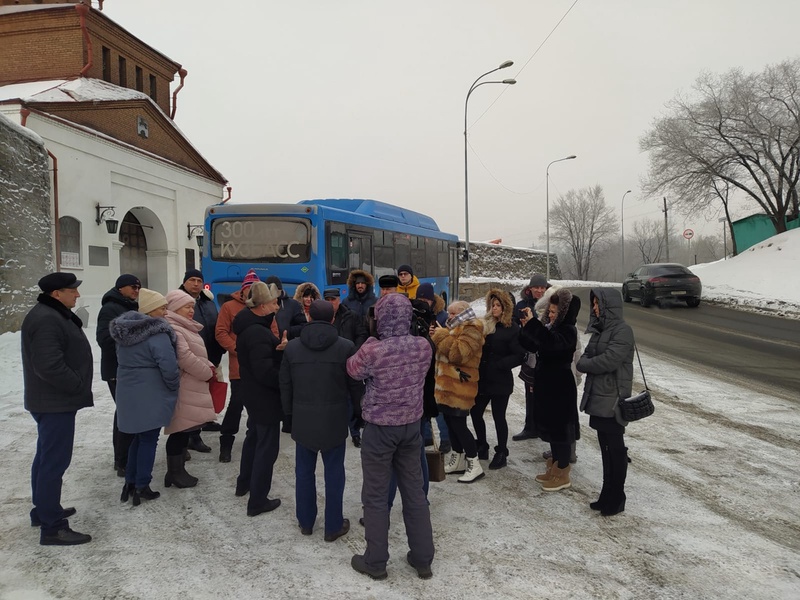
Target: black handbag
{"x":640,"y":405}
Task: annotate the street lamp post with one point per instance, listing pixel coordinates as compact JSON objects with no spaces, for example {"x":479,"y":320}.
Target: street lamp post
{"x":475,"y":85}
{"x":622,"y":229}
{"x":724,"y":237}
{"x":547,"y":197}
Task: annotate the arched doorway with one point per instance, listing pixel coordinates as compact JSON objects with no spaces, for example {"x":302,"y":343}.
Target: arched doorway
{"x":133,"y":255}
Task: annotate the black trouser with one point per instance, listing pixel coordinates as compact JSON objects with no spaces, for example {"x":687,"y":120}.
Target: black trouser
{"x":615,"y":467}
{"x":561,"y":454}
{"x":177,"y":443}
{"x":530,"y":424}
{"x":233,"y":415}
{"x":120,"y":440}
{"x":499,"y":406}
{"x":460,"y":436}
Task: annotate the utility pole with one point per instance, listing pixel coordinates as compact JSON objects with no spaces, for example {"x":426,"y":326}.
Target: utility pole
{"x":666,"y":229}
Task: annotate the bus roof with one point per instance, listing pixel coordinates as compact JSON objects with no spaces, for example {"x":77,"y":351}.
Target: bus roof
{"x":364,"y":207}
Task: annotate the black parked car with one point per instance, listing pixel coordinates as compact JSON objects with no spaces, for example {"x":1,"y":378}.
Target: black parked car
{"x":657,"y":282}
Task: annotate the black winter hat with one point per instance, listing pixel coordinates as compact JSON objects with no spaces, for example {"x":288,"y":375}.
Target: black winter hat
{"x":127,"y":279}
{"x":58,"y":281}
{"x":193,"y":273}
{"x":538,"y":280}
{"x":406,"y":268}
{"x":276,"y":280}
{"x":388,"y":281}
{"x":321,"y":310}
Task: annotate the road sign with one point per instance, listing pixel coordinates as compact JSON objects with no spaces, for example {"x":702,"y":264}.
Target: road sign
{"x":688,"y":234}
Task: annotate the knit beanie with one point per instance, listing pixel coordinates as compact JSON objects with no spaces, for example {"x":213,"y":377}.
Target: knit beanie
{"x":261,"y":293}
{"x":321,"y":310}
{"x":149,"y":300}
{"x":425,"y":291}
{"x":193,"y":273}
{"x":538,"y":280}
{"x":176,"y":299}
{"x":406,"y":268}
{"x":250,"y":279}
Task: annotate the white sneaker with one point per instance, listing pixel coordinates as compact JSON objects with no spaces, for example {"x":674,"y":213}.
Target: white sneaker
{"x":474,"y":471}
{"x":455,"y":463}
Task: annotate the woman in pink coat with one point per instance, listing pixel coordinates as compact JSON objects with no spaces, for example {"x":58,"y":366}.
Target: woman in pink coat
{"x":195,"y":407}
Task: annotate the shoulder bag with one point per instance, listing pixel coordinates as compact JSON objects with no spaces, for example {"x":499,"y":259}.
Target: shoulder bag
{"x":639,"y":406}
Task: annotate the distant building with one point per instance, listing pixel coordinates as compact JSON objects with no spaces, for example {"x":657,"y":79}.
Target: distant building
{"x":101,"y":100}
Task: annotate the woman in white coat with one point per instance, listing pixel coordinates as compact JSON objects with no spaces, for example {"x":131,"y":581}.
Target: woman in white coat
{"x":195,"y":407}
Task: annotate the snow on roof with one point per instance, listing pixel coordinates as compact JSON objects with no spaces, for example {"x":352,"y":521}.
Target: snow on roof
{"x":81,"y":89}
{"x":25,"y":91}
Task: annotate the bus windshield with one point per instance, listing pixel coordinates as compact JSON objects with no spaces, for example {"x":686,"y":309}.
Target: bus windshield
{"x":261,"y":239}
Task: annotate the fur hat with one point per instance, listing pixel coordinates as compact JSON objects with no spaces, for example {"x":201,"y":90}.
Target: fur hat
{"x":321,"y":310}
{"x":149,"y":300}
{"x":176,"y":299}
{"x":406,"y":268}
{"x":276,"y":280}
{"x":388,"y":281}
{"x":261,"y":293}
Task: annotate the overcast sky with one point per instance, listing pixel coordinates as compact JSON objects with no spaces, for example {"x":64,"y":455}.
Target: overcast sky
{"x":365,"y":98}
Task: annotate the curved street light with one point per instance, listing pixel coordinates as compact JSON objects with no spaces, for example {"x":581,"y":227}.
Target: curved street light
{"x":622,"y":229}
{"x":472,"y":88}
{"x":547,"y":193}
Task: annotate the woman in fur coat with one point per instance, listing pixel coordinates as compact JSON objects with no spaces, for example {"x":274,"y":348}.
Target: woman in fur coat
{"x":458,"y":356}
{"x":195,"y":407}
{"x":147,"y":387}
{"x":501,"y":353}
{"x":554,"y":339}
{"x":305,"y":294}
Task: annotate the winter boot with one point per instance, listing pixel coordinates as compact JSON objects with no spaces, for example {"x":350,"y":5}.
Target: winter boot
{"x":127,"y":490}
{"x":455,"y":463}
{"x":547,"y":475}
{"x":483,"y":451}
{"x":474,"y":471}
{"x":197,"y":444}
{"x":144,"y":493}
{"x":604,"y":492}
{"x":559,"y":479}
{"x":615,"y":501}
{"x":499,"y":460}
{"x":177,"y":475}
{"x":225,"y":447}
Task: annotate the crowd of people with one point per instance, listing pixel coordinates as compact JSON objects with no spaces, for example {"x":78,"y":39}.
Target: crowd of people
{"x":380,"y":369}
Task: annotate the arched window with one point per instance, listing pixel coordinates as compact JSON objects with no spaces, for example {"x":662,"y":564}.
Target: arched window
{"x":69,"y":231}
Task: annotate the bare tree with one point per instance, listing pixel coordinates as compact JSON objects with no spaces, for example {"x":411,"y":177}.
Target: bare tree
{"x":648,"y":237}
{"x":741,"y":130}
{"x":584,"y":224}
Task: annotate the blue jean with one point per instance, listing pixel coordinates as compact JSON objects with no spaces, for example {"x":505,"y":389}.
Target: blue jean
{"x":306,"y":486}
{"x":427,"y":430}
{"x":259,"y":453}
{"x":141,"y":456}
{"x":387,"y":449}
{"x":53,"y":456}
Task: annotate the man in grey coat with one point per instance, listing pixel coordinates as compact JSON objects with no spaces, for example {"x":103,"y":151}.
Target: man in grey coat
{"x":57,"y":369}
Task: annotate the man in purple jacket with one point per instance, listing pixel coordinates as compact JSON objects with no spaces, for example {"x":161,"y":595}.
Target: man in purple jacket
{"x":394,"y":366}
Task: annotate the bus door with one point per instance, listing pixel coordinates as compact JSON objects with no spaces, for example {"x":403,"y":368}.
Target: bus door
{"x":360,"y":251}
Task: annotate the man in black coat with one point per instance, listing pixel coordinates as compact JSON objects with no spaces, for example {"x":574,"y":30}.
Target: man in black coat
{"x":290,"y":316}
{"x":57,"y":369}
{"x":120,"y":299}
{"x":351,"y":327}
{"x":205,"y":313}
{"x":315,"y":390}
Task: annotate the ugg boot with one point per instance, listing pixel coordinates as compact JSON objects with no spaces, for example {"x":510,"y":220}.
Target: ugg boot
{"x":604,"y":492}
{"x":225,"y":447}
{"x":455,"y":463}
{"x":548,"y":474}
{"x":499,"y":460}
{"x":615,"y":501}
{"x":473,"y":472}
{"x":559,"y":479}
{"x":176,"y":473}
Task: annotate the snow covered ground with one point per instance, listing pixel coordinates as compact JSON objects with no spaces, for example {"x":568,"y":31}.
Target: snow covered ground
{"x":712,"y":503}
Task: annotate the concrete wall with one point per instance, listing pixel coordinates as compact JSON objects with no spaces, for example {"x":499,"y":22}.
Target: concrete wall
{"x":25,"y":237}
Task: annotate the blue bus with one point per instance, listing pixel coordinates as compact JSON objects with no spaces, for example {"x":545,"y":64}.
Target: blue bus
{"x":321,"y":241}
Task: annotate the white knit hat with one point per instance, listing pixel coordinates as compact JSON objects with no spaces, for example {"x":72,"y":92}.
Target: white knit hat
{"x":150,"y":300}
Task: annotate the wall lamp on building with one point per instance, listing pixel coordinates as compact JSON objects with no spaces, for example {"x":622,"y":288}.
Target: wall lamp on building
{"x":103,"y":214}
{"x":197,"y":232}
